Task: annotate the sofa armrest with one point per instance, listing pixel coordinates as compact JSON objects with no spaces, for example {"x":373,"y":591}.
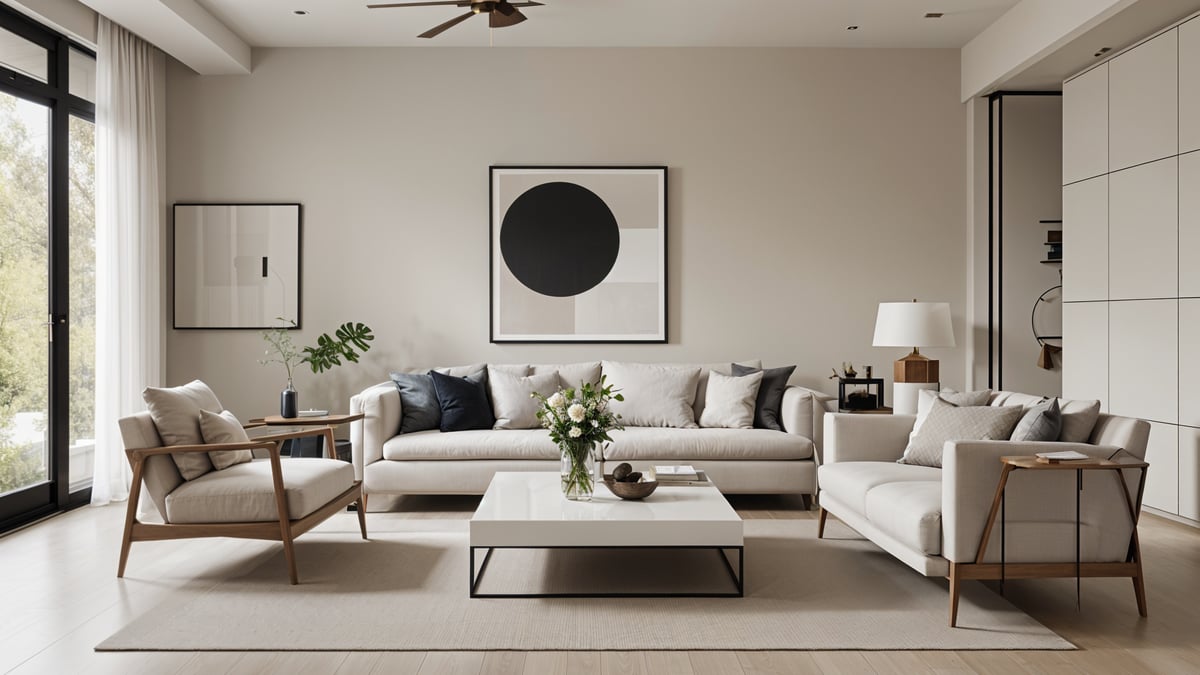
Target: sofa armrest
{"x":865,"y":438}
{"x":971,"y":471}
{"x":802,"y":412}
{"x":380,"y":405}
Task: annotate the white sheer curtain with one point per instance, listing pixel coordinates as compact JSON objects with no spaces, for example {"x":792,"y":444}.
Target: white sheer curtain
{"x":128,"y":257}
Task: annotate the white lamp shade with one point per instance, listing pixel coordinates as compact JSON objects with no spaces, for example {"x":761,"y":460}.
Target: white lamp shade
{"x":913,"y":324}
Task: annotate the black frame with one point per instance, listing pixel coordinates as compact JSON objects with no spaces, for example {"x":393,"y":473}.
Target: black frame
{"x":31,"y":503}
{"x":738,"y":578}
{"x":665,"y":339}
{"x":996,"y":230}
{"x":299,"y":265}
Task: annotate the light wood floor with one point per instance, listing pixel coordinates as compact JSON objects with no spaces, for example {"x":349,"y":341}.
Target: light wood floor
{"x":59,"y":597}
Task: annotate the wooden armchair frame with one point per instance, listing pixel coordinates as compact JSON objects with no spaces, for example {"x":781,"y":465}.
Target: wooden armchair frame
{"x":285,"y":529}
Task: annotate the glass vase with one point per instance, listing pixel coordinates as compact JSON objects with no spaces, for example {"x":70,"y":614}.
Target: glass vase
{"x":577,"y":470}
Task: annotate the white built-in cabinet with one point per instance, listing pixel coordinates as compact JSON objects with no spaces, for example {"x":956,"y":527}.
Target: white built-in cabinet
{"x":1131,"y":234}
{"x":1143,"y":103}
{"x":1085,"y":139}
{"x":1189,"y":86}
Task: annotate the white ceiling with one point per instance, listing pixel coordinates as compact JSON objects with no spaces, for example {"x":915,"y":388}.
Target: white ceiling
{"x":618,"y":23}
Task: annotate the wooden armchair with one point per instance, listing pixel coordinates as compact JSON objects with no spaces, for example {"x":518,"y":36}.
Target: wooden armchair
{"x":265,"y":498}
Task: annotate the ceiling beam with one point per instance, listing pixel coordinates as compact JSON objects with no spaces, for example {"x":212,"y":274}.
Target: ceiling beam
{"x":183,"y":29}
{"x":1024,"y":35}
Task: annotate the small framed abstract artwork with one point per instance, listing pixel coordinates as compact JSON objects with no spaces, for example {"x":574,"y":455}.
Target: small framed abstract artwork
{"x":578,"y":254}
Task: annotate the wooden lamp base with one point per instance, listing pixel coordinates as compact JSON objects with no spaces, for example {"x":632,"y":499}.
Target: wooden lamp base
{"x":916,"y":368}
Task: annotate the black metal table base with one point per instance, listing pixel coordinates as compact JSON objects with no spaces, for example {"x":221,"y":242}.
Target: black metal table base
{"x":738,"y":577}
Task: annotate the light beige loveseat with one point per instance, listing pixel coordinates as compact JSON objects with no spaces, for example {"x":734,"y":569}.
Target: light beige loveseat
{"x":463,"y":462}
{"x":933,"y":519}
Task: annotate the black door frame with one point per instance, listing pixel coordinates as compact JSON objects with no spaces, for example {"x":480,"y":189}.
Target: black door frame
{"x":34,"y":502}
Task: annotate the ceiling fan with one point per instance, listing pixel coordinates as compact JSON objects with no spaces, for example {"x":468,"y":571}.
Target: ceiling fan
{"x":501,"y":13}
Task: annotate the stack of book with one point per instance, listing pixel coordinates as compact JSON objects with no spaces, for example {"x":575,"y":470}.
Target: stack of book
{"x":678,"y":474}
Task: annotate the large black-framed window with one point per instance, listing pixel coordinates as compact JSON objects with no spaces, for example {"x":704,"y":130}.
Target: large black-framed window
{"x":47,"y":113}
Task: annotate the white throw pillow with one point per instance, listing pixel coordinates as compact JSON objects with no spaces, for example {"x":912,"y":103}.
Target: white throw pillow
{"x":729,"y":401}
{"x":513,"y":405}
{"x":224,"y":427}
{"x":176,"y":415}
{"x":655,"y":396}
{"x":948,"y":422}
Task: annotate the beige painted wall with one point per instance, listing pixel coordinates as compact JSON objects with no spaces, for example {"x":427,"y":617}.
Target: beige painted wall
{"x":805,"y":186}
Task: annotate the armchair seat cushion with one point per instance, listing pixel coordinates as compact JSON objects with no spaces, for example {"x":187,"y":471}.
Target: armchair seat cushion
{"x":245,"y":492}
{"x":853,"y":481}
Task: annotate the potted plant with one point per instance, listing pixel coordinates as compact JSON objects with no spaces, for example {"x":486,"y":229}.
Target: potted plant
{"x":346,"y":342}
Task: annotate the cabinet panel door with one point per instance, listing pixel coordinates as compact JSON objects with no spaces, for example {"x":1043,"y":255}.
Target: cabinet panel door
{"x":1085,"y":351}
{"x":1189,"y":86}
{"x":1189,"y":224}
{"x":1189,"y":362}
{"x":1189,"y":473}
{"x":1085,"y":125}
{"x":1143,"y":362}
{"x":1162,"y":481}
{"x":1143,"y":110}
{"x":1143,"y":232}
{"x":1085,"y":240}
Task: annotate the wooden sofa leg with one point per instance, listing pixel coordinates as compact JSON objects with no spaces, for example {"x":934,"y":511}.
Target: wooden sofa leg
{"x":807,"y":501}
{"x":954,"y":582}
{"x":362,"y":514}
{"x":821,"y":515}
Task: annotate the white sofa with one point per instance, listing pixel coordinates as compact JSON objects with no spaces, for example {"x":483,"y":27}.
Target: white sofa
{"x":933,"y":519}
{"x":463,"y":462}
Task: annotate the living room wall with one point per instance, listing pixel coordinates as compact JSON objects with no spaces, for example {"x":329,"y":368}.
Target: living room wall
{"x":805,"y":186}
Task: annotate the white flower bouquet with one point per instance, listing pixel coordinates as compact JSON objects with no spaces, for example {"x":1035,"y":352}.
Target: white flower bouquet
{"x":579,"y":419}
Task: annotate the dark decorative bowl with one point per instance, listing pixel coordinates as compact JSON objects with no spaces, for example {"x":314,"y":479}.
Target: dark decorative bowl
{"x":630,"y":490}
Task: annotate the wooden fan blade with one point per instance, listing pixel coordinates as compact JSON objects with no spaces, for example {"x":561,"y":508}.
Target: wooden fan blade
{"x":437,"y":30}
{"x":498,"y":20}
{"x":525,"y":4}
{"x":504,"y":8}
{"x":459,"y":3}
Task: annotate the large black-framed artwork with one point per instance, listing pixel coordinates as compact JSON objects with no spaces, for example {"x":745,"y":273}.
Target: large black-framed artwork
{"x":236,"y":265}
{"x":578,"y":253}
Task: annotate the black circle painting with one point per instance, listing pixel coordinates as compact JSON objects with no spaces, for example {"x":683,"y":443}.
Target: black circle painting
{"x":559,"y":239}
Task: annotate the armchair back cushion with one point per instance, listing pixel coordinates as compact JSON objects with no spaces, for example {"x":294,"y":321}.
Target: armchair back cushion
{"x":176,"y":414}
{"x":160,"y":475}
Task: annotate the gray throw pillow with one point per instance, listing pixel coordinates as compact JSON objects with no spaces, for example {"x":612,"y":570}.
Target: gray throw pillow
{"x":1078,"y":419}
{"x":419,"y":408}
{"x":1042,"y":422}
{"x":767,"y":405}
{"x":948,"y":422}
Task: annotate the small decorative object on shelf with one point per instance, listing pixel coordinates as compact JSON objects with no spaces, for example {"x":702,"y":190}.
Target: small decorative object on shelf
{"x":860,"y":399}
{"x":329,"y":352}
{"x":1054,"y":241}
{"x":579,"y":420}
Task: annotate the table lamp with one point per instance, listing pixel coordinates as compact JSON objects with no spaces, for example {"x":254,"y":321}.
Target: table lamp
{"x":913,"y":324}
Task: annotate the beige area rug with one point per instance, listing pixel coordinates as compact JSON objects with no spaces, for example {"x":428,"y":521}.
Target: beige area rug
{"x":406,"y":589}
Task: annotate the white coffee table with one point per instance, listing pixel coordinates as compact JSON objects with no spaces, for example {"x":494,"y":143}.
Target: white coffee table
{"x":527,"y":510}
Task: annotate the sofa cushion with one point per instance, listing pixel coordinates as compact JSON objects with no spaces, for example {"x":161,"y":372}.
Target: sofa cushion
{"x":245,"y":493}
{"x":480,"y":444}
{"x":176,"y":413}
{"x":1041,"y":423}
{"x":655,"y":395}
{"x":851,"y":481}
{"x":948,"y":422}
{"x":641,"y":443}
{"x":570,"y":374}
{"x":513,"y":403}
{"x":909,"y":511}
{"x":463,"y":400}
{"x":729,"y":401}
{"x":770,"y":394}
{"x":224,"y":427}
{"x":1078,"y":420}
{"x":419,"y":409}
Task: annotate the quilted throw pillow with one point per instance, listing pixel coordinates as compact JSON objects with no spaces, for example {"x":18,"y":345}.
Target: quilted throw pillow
{"x":948,"y":422}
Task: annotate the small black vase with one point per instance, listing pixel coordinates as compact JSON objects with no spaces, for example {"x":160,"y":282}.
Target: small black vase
{"x":287,"y":402}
